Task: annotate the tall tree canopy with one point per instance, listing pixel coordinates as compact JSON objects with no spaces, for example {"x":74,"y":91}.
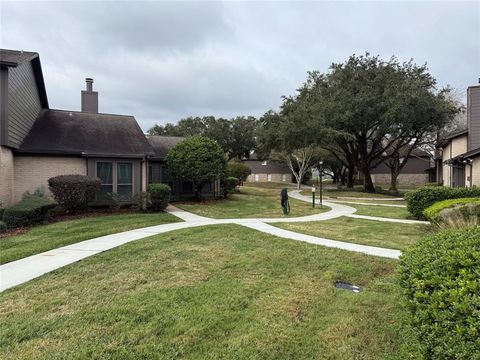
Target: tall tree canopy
{"x":366,"y":107}
{"x":235,"y":136}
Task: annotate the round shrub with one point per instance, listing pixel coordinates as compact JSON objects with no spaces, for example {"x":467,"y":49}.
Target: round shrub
{"x":433,"y":211}
{"x":73,"y":192}
{"x":159,"y":196}
{"x":237,"y":169}
{"x":29,"y":211}
{"x":420,"y":199}
{"x":3,"y":227}
{"x":229,"y":184}
{"x":440,"y":278}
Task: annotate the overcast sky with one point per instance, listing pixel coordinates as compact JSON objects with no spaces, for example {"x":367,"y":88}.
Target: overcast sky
{"x":162,"y":61}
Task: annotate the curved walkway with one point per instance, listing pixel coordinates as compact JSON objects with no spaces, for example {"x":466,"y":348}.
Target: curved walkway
{"x":20,"y":271}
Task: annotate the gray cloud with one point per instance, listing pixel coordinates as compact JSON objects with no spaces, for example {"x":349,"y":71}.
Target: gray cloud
{"x":162,"y":61}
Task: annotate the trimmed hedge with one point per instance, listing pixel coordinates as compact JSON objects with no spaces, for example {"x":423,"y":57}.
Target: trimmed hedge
{"x":440,"y":277}
{"x":420,"y":199}
{"x":73,"y":192}
{"x":29,"y":211}
{"x":159,"y":196}
{"x":433,"y":211}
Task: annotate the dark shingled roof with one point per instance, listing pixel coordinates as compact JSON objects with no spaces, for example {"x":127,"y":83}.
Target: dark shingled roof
{"x":272,"y":167}
{"x":78,"y":133}
{"x":162,"y":144}
{"x":15,"y":57}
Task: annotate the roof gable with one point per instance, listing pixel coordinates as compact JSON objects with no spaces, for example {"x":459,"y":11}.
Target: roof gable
{"x":162,"y":144}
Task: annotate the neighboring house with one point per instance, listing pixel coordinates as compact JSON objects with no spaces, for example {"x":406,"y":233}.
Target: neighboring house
{"x":158,"y":170}
{"x":267,"y":170}
{"x":458,"y":153}
{"x":415,"y":172}
{"x":38,"y":143}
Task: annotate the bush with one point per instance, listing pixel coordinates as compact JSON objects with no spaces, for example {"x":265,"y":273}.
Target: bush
{"x":440,"y":280}
{"x":3,"y":227}
{"x":433,"y":211}
{"x":420,"y":199}
{"x":159,"y":196}
{"x":143,"y":201}
{"x":237,"y":169}
{"x":29,"y":211}
{"x":460,"y":217}
{"x":114,"y":201}
{"x":73,"y":192}
{"x":229,"y":184}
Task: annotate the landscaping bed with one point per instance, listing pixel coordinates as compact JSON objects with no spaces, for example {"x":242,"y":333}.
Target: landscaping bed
{"x":214,"y":292}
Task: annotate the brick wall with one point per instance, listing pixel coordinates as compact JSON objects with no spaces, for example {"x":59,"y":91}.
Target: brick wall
{"x":475,"y":171}
{"x":6,"y":176}
{"x":403,"y":179}
{"x":32,"y":172}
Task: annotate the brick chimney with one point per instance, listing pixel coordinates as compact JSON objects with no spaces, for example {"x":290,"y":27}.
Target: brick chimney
{"x":89,"y":98}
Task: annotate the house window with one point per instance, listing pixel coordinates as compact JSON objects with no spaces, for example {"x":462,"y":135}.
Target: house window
{"x":284,"y":177}
{"x":115,"y":178}
{"x":150,"y":174}
{"x":264,"y":162}
{"x":124,"y":180}
{"x":257,"y":177}
{"x":105,"y":174}
{"x":269,"y":177}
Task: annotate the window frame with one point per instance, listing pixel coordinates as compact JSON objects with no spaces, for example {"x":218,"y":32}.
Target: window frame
{"x":115,"y":175}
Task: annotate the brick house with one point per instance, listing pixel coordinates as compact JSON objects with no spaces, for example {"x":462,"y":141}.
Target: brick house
{"x":267,"y":170}
{"x":458,"y":153}
{"x":37,"y":142}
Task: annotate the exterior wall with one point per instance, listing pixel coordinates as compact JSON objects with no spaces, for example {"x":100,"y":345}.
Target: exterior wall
{"x":475,"y":172}
{"x":31,"y":172}
{"x":24,"y":103}
{"x":403,"y":179}
{"x":6,"y":176}
{"x":473,"y":117}
{"x":457,"y":146}
{"x":263,"y":177}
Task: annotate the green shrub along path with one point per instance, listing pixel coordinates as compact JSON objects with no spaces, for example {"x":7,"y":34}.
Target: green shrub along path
{"x":46,"y":237}
{"x":251,"y":202}
{"x":212,"y":292}
{"x":360,"y":231}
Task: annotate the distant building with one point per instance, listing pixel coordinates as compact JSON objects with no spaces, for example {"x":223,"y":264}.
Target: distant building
{"x":415,"y":172}
{"x":267,"y":170}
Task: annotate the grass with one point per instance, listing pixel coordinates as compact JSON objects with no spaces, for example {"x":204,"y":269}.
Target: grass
{"x":360,"y":231}
{"x":47,"y":237}
{"x":382,"y":211}
{"x":334,"y":193}
{"x":253,"y":201}
{"x":219,"y":292}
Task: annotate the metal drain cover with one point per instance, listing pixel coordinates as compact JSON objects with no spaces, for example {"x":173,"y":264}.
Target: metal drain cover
{"x":347,"y":286}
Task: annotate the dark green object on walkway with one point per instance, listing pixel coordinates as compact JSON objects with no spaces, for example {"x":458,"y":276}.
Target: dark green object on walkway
{"x":284,"y":201}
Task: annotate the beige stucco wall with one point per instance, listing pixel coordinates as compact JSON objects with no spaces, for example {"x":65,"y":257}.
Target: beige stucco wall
{"x":273,"y":177}
{"x":31,"y":172}
{"x":403,"y":179}
{"x":6,"y":176}
{"x":456,"y":147}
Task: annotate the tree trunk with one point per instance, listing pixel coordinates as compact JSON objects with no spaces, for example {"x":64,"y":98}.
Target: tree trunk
{"x":367,"y":181}
{"x":351,"y":172}
{"x":393,"y":180}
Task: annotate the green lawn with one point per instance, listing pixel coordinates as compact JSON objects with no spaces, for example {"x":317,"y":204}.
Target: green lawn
{"x":222,"y":292}
{"x":334,"y":193}
{"x":382,"y":211}
{"x":373,"y":201}
{"x":359,"y":231}
{"x":47,"y":237}
{"x":253,"y":201}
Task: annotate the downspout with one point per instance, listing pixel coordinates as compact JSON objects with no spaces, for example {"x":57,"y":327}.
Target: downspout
{"x":450,"y":165}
